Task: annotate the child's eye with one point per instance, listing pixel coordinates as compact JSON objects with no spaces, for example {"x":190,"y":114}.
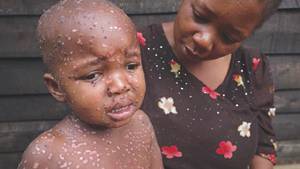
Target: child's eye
{"x":132,"y":66}
{"x":92,"y":76}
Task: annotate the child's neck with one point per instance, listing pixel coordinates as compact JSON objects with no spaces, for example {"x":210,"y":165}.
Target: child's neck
{"x":94,"y":129}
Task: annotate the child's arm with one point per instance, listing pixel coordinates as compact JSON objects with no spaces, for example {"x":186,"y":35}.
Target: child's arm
{"x":156,"y":155}
{"x":260,"y":163}
{"x":38,"y":155}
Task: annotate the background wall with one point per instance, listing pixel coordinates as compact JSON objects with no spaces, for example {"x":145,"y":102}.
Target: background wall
{"x":26,"y":109}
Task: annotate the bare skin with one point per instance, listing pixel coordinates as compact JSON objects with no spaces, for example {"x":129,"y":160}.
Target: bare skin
{"x":260,"y":163}
{"x":73,"y":144}
{"x":95,"y":68}
{"x":204,"y":35}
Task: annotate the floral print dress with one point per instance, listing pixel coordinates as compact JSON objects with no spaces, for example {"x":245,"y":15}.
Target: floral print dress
{"x":200,"y":128}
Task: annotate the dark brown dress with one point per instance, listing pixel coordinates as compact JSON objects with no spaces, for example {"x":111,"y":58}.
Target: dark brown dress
{"x":198,"y":128}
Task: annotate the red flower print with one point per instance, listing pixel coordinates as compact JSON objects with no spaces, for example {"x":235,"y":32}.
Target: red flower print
{"x":226,"y":148}
{"x":255,"y":63}
{"x":212,"y":94}
{"x":171,"y":151}
{"x":270,"y":157}
{"x":141,"y":39}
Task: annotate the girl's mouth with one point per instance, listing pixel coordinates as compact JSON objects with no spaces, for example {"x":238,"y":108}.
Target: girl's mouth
{"x":119,"y":113}
{"x":190,"y":51}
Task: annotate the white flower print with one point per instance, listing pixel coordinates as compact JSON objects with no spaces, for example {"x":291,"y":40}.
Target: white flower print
{"x":167,"y":105}
{"x":175,"y":68}
{"x":272,"y":111}
{"x":244,"y":129}
{"x":274,"y":144}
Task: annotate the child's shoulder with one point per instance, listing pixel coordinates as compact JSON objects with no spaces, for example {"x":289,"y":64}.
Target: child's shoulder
{"x":141,"y":118}
{"x":42,"y":150}
{"x":141,"y":123}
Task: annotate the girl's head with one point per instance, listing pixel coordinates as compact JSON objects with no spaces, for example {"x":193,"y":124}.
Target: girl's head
{"x":209,"y":29}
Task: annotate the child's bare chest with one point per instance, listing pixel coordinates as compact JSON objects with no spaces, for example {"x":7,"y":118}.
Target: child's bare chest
{"x":126,"y":150}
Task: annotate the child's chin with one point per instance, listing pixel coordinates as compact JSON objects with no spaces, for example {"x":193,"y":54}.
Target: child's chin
{"x":119,"y":123}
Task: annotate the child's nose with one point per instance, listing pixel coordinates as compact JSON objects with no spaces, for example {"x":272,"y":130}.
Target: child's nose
{"x":203,"y":41}
{"x":117,"y":84}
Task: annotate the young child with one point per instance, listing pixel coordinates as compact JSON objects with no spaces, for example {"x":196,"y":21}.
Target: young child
{"x":209,"y":98}
{"x":93,"y":59}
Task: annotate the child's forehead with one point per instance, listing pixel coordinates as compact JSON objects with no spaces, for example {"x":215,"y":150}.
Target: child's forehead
{"x":94,"y":30}
{"x":107,"y":59}
{"x":69,"y":16}
{"x":107,"y":19}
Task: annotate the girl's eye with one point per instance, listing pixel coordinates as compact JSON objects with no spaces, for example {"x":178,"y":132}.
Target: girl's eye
{"x":228,"y":39}
{"x":132,"y":66}
{"x":200,"y":18}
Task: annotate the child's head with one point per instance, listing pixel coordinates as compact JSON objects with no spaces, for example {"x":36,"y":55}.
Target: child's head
{"x":93,"y":60}
{"x":209,"y":29}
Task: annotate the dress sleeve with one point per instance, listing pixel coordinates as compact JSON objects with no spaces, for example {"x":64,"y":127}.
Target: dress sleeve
{"x":264,"y":105}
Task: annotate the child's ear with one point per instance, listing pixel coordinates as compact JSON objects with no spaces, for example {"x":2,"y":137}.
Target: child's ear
{"x":54,"y":87}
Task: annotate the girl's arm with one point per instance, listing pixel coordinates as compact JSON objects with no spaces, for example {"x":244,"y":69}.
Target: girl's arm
{"x":260,"y":163}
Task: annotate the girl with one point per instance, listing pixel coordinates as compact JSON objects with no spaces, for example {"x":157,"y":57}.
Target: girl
{"x":209,"y":98}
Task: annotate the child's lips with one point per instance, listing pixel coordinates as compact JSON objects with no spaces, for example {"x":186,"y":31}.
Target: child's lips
{"x":119,"y":113}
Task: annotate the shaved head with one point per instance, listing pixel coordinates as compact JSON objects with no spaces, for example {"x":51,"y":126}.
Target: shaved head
{"x":71,"y":26}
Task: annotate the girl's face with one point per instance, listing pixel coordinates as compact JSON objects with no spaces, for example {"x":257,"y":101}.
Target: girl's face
{"x":209,"y":29}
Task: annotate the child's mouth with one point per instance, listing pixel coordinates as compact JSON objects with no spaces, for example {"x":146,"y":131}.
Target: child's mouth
{"x":119,"y":113}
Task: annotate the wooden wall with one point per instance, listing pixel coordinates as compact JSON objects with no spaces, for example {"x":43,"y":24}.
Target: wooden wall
{"x":26,"y":109}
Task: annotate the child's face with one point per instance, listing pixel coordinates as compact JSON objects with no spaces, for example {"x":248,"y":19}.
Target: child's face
{"x":209,"y":29}
{"x":102,"y":78}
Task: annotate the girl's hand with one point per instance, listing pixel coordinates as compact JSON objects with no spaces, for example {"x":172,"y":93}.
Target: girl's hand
{"x":260,"y":163}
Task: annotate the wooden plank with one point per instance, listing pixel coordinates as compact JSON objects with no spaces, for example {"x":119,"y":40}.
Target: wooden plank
{"x":287,"y":166}
{"x":286,"y":69}
{"x":31,"y":7}
{"x":16,"y":39}
{"x":14,"y":137}
{"x":290,"y":4}
{"x":24,"y":76}
{"x":279,"y":35}
{"x":287,"y":126}
{"x":31,"y":107}
{"x":44,"y":107}
{"x":289,"y":152}
{"x":287,"y":101}
{"x":10,"y":160}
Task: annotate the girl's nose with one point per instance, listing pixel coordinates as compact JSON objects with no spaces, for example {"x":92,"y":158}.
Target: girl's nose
{"x":203,"y":41}
{"x":117,"y":84}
